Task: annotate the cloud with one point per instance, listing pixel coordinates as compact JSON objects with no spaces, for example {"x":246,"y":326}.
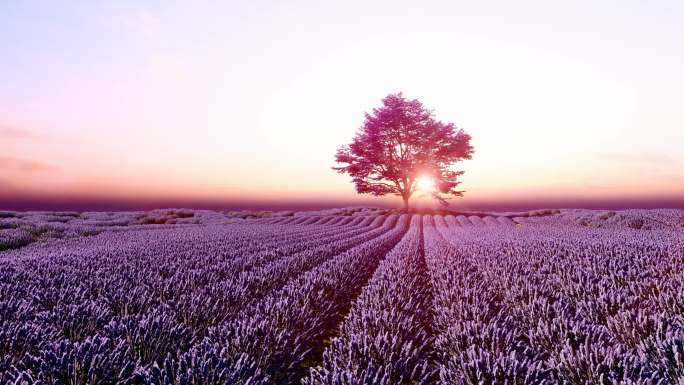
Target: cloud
{"x":9,"y":163}
{"x":651,"y":158}
{"x":7,"y":131}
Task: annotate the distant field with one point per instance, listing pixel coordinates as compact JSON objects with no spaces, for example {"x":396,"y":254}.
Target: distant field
{"x":348,"y":296}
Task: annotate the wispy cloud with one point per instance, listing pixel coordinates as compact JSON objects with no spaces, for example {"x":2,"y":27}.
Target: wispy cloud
{"x":8,"y":131}
{"x":10,"y":163}
{"x":659,"y":169}
{"x":651,"y":158}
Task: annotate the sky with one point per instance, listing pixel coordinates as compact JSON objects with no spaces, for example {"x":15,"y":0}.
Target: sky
{"x":568,"y":103}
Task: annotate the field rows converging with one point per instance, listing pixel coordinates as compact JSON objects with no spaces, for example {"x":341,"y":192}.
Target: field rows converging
{"x":385,"y":339}
{"x":383,"y":299}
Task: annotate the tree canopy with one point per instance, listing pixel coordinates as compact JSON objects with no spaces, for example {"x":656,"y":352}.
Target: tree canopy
{"x":400,"y":143}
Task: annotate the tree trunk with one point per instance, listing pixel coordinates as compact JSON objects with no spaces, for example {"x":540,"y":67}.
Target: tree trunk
{"x":406,"y":202}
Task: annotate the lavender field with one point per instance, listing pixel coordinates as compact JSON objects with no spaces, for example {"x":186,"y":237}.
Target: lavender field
{"x":342,"y":297}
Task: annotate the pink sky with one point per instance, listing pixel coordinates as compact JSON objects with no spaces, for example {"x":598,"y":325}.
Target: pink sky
{"x":214,"y":101}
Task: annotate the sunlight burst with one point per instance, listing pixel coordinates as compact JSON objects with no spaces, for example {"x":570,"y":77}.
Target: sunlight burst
{"x":425,"y":184}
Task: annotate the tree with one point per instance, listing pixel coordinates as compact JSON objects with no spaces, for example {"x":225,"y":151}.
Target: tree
{"x":399,"y":143}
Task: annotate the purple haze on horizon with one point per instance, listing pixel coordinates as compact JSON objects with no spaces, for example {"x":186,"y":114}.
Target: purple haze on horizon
{"x":104,"y":204}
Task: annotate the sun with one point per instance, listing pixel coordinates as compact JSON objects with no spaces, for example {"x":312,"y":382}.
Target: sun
{"x":425,"y":184}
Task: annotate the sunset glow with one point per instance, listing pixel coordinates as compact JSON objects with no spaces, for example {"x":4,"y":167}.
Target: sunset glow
{"x":227,"y":101}
{"x":425,"y":184}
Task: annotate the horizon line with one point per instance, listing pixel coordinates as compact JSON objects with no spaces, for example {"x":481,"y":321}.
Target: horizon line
{"x":144,"y":204}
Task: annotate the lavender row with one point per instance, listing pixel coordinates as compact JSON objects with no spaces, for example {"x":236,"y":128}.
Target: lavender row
{"x":243,"y":239}
{"x":145,"y":334}
{"x":291,"y":324}
{"x":385,"y":339}
{"x":562,"y":304}
{"x":461,"y":302}
{"x":106,"y":290}
{"x":252,"y":285}
{"x":187,"y":251}
{"x":176,"y":257}
{"x":14,"y":238}
{"x":360,"y":220}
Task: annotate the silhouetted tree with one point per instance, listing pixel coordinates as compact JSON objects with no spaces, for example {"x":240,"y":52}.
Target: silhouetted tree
{"x":399,"y":143}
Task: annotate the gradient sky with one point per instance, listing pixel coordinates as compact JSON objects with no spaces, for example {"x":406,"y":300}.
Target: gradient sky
{"x":249,"y":100}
